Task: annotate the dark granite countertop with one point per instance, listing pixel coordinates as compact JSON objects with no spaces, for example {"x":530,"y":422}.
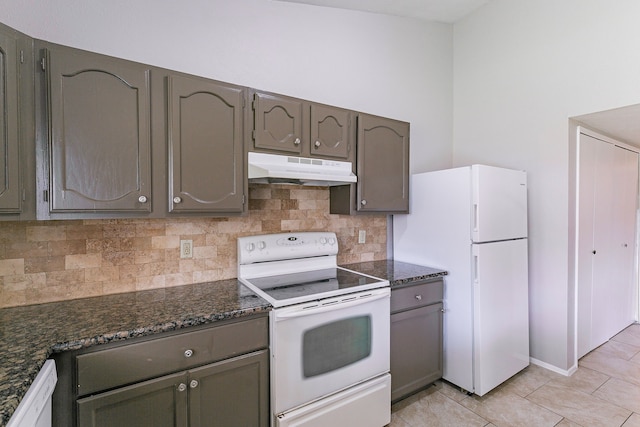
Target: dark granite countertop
{"x":396,"y":272}
{"x":29,"y":334}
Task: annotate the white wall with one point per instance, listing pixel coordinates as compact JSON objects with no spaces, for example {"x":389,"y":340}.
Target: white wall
{"x":389,"y":66}
{"x":521,"y":69}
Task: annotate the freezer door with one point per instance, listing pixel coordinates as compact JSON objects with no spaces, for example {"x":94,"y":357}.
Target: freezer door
{"x":499,"y":205}
{"x":500,"y":312}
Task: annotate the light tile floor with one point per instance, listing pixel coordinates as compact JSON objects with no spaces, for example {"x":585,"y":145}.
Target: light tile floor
{"x":604,"y":391}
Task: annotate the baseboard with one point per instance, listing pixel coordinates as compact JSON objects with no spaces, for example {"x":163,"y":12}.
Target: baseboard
{"x":565,"y":372}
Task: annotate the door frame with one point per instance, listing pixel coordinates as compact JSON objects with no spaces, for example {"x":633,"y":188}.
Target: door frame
{"x":579,"y":130}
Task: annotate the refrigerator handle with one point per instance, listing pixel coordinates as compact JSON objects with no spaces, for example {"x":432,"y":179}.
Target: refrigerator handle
{"x":475,"y":269}
{"x":475,"y":217}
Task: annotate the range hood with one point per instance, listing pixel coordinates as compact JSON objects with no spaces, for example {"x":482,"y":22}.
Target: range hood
{"x":281,"y":169}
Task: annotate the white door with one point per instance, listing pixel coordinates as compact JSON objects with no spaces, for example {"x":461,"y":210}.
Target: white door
{"x":608,"y":188}
{"x":499,"y":204}
{"x":500,"y":312}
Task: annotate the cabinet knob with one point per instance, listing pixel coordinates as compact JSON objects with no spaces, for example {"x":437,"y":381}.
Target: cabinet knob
{"x":363,"y":202}
{"x":297,"y":141}
{"x":177,"y":199}
{"x":317,"y":144}
{"x":419,"y":297}
{"x":142,"y":199}
{"x":188,"y":353}
{"x":193,"y":383}
{"x":182,"y":387}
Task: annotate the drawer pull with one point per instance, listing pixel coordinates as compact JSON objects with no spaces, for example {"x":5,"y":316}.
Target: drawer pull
{"x":182,"y":387}
{"x":188,"y":353}
{"x":193,"y":383}
{"x":419,"y":297}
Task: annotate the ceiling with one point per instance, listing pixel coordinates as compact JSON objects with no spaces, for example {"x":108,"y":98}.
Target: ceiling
{"x":447,"y":11}
{"x":620,"y":123}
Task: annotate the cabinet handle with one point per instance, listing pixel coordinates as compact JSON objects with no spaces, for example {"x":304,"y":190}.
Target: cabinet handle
{"x":142,"y":199}
{"x":363,"y":202}
{"x":317,"y":144}
{"x":177,"y":199}
{"x":442,"y":310}
{"x":297,"y":141}
{"x":419,"y":297}
{"x":188,"y":353}
{"x":193,"y":383}
{"x":182,"y":387}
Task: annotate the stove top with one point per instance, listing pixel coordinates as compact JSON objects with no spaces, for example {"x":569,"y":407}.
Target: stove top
{"x":292,"y":268}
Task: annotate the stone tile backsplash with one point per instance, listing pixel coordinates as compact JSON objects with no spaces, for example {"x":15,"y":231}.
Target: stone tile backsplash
{"x":44,"y":261}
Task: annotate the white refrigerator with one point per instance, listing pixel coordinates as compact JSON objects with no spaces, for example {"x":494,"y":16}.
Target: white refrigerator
{"x":472,"y":222}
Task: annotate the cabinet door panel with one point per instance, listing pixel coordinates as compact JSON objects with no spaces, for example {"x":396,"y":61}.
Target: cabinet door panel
{"x":155,"y":403}
{"x":416,"y":349}
{"x":231,"y":393}
{"x":99,"y":138}
{"x":10,"y":164}
{"x":205,"y":147}
{"x":278,"y":123}
{"x":330,"y":130}
{"x":383,"y":165}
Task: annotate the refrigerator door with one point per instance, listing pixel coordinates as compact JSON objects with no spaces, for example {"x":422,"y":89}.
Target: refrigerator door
{"x":500,"y":312}
{"x":499,"y":204}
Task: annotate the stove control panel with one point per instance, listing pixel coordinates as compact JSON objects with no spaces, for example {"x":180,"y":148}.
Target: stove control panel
{"x":284,"y":246}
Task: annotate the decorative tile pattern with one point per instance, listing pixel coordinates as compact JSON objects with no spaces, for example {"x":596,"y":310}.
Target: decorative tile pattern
{"x":45,"y":261}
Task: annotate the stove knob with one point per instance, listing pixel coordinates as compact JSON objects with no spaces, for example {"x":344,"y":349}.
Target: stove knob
{"x":332,"y":241}
{"x":262,"y":245}
{"x":250,"y":247}
{"x":323,"y":240}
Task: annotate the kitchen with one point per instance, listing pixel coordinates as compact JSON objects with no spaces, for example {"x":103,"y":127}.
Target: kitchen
{"x":527,"y":130}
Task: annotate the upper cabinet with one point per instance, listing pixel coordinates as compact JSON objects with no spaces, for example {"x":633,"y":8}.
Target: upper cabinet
{"x":99,"y":132}
{"x":293,"y":126}
{"x":16,"y":129}
{"x":84,"y":135}
{"x":123,"y":139}
{"x":277,"y":123}
{"x":382,"y":169}
{"x":205,"y":122}
{"x":331,"y":132}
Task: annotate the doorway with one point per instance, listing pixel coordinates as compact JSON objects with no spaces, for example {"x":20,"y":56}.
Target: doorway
{"x":606,"y":238}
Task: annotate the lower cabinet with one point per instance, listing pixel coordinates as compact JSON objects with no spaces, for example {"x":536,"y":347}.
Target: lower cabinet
{"x":220,"y":394}
{"x":205,"y":376}
{"x":416,"y":337}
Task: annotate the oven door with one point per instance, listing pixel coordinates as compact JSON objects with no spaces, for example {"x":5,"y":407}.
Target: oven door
{"x":322,"y":347}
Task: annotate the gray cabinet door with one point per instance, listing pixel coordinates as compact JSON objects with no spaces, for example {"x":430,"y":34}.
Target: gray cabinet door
{"x":416,"y":349}
{"x":10,"y":161}
{"x":330,"y":132}
{"x":383,"y":165}
{"x":99,"y":137}
{"x":160,"y":402}
{"x":234,"y":392}
{"x":205,"y":121}
{"x":278,"y":123}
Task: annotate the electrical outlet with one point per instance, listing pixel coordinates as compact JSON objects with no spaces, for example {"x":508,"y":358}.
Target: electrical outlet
{"x":362,"y":236}
{"x":186,"y":248}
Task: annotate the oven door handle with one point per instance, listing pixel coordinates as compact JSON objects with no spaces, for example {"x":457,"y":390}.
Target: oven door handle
{"x":329,"y":307}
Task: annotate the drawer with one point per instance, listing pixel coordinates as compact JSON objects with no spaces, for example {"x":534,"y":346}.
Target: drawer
{"x":418,"y":295}
{"x":117,"y":366}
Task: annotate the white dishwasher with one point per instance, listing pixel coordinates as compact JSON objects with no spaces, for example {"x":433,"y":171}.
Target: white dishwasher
{"x":35,"y":408}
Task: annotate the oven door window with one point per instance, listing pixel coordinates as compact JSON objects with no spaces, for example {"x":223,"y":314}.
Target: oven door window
{"x":335,"y":345}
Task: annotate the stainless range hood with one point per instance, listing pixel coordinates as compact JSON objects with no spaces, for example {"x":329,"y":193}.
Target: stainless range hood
{"x":281,"y":169}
